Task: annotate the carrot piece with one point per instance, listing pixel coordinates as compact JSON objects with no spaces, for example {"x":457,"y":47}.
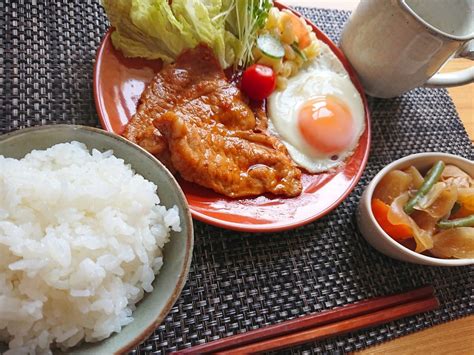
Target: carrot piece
{"x":461,"y":213}
{"x":467,"y":207}
{"x":396,"y":231}
{"x":300,"y":30}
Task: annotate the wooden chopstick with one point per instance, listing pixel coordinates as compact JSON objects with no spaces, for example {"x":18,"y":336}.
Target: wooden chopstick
{"x":283,"y":331}
{"x":338,"y":328}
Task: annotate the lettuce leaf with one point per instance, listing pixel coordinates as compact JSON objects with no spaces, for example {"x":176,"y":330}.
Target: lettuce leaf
{"x":154,"y":29}
{"x":202,"y":17}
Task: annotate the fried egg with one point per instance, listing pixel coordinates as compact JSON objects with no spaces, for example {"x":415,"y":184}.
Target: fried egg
{"x":319,"y":116}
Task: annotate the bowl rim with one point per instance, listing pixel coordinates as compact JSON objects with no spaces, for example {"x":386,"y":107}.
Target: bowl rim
{"x":401,"y":248}
{"x":183,"y":275}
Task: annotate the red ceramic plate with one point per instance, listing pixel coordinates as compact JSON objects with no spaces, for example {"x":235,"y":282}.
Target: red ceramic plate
{"x":118,"y":84}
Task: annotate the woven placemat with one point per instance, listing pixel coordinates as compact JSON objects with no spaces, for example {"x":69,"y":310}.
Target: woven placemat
{"x":239,"y":281}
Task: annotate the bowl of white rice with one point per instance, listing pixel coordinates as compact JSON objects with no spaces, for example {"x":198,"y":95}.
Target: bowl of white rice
{"x":96,"y":242}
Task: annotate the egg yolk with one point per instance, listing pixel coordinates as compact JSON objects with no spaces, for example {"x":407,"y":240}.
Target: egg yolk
{"x":326,"y":124}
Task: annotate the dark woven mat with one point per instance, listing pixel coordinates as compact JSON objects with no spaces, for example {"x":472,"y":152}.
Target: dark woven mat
{"x":238,"y":281}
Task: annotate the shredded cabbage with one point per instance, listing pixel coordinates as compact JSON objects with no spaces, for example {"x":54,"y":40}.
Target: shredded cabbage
{"x":244,"y":19}
{"x":154,"y":29}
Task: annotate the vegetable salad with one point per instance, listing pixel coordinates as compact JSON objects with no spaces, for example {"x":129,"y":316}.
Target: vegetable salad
{"x":285,"y":43}
{"x":241,"y":32}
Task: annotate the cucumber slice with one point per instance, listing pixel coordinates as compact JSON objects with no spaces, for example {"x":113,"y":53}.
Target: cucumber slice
{"x":270,"y":46}
{"x":298,"y":51}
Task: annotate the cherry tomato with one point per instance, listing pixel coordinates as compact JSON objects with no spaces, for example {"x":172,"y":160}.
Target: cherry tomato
{"x":258,"y":81}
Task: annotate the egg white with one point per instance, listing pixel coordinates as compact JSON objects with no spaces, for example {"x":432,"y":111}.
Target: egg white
{"x":325,"y":75}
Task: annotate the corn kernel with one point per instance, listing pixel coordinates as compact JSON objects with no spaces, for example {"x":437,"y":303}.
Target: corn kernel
{"x":281,"y":83}
{"x":312,"y":50}
{"x":294,"y":67}
{"x":285,"y":69}
{"x":277,"y":65}
{"x":287,"y":35}
{"x":272,"y":20}
{"x":299,"y":61}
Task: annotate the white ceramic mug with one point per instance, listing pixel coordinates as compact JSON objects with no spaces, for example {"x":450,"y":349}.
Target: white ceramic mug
{"x":397,"y":45}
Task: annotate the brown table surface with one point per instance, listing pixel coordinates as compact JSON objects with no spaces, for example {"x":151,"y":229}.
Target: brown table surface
{"x":455,"y":337}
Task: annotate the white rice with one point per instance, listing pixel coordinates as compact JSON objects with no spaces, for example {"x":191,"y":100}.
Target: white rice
{"x":81,"y":238}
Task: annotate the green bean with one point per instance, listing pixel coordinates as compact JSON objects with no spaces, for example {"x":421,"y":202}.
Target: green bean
{"x":455,"y":223}
{"x":431,"y":178}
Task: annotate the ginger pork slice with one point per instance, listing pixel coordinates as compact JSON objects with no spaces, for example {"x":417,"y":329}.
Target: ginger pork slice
{"x":233,"y":163}
{"x":195,"y":73}
{"x":200,"y":125}
{"x":209,"y":145}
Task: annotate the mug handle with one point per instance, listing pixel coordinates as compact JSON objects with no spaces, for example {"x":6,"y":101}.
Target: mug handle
{"x":457,"y":78}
